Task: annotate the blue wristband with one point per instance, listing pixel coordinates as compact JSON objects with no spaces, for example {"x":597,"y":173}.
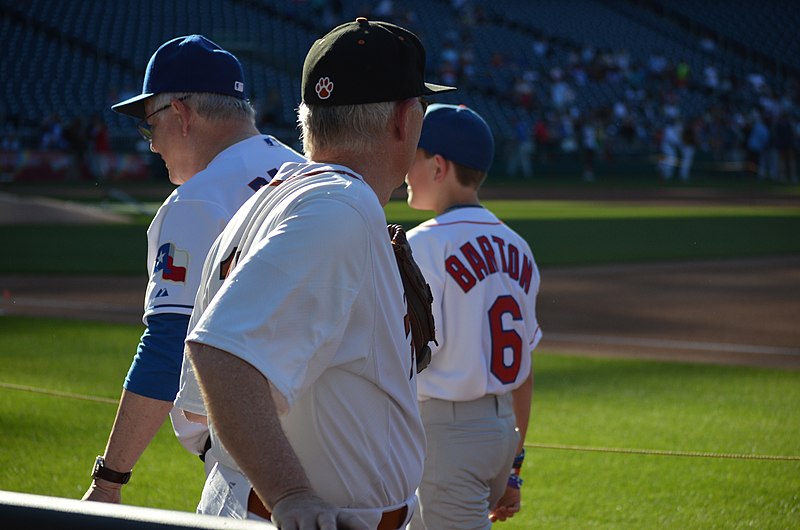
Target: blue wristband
{"x":514,"y":481}
{"x":519,"y":459}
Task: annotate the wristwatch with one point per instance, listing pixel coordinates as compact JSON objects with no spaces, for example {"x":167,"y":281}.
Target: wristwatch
{"x":101,"y":471}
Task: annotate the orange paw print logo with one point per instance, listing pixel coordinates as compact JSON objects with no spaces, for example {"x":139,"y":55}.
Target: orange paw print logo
{"x":324,"y":88}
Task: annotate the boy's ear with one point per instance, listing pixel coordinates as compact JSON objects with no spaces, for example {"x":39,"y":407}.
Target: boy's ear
{"x":442,"y":165}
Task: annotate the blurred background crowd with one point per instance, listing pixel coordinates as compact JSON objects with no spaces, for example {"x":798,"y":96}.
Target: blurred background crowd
{"x":670,"y":88}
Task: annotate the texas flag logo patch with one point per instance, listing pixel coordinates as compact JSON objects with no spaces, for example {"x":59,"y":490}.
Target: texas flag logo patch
{"x":171,"y":263}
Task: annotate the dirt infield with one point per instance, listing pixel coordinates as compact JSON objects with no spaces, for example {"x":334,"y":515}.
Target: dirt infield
{"x":728,"y":311}
{"x":724,"y":311}
{"x":732,"y":311}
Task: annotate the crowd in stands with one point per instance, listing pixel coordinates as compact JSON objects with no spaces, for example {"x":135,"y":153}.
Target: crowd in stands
{"x":555,"y":99}
{"x":82,"y":139}
{"x":662,"y":107}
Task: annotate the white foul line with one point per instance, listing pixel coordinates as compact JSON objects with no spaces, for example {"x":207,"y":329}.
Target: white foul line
{"x":57,"y":393}
{"x":670,"y":344}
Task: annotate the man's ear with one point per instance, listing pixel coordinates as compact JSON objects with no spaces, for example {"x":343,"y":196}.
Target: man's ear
{"x":185,"y":115}
{"x":403,"y":114}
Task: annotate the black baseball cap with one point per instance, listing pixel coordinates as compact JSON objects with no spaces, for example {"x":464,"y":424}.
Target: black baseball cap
{"x":191,"y":63}
{"x":366,"y":62}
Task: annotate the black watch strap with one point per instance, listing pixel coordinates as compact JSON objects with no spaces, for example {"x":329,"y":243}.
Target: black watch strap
{"x":101,"y":471}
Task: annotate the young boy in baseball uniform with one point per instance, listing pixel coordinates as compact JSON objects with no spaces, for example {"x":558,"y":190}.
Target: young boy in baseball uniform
{"x":475,"y":395}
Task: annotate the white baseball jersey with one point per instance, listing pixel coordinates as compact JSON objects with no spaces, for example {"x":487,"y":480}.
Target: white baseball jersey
{"x":189,"y":221}
{"x":195,"y":213}
{"x":484,"y":282}
{"x":303,"y":285}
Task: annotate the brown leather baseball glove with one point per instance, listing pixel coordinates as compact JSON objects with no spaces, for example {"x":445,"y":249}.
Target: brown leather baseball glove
{"x":418,"y":297}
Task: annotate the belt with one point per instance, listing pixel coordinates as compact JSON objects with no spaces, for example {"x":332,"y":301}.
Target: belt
{"x":489,"y":406}
{"x":391,"y":520}
{"x":206,"y":447}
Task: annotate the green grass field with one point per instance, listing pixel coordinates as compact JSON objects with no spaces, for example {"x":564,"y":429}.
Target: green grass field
{"x":49,"y":441}
{"x":598,"y":408}
{"x":560,"y":233}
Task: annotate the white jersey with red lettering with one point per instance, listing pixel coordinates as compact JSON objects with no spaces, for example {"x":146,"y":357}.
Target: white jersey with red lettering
{"x":485,"y":276}
{"x":191,"y":218}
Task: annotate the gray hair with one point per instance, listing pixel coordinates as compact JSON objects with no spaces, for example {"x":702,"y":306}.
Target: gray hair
{"x":214,"y":107}
{"x":351,"y":128}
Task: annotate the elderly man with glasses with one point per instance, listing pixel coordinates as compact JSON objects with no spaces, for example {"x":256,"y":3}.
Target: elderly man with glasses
{"x":194,"y":112}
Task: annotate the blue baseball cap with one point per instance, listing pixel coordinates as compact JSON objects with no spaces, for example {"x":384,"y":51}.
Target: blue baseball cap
{"x":187,"y":64}
{"x":459,"y":134}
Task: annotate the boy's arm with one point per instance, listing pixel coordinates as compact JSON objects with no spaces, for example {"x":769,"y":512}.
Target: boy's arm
{"x":510,"y":502}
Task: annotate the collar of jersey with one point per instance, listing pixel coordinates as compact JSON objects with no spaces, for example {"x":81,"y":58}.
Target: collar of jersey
{"x":460,"y":206}
{"x":318,"y":169}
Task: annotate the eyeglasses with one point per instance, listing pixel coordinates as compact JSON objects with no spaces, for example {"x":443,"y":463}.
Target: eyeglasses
{"x":145,"y":129}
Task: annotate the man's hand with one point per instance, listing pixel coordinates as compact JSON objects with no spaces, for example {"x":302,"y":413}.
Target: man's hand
{"x":306,"y":511}
{"x":507,"y":506}
{"x":103,"y":491}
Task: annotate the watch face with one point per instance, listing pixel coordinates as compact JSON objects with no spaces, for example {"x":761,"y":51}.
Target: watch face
{"x":98,"y":463}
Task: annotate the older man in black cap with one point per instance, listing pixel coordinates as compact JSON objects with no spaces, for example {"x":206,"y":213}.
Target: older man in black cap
{"x":300,"y":341}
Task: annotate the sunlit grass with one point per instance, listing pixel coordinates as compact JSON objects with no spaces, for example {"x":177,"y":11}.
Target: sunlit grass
{"x":587,"y":402}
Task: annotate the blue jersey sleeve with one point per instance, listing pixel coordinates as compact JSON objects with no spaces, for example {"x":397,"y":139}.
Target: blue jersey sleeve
{"x":156,"y":368}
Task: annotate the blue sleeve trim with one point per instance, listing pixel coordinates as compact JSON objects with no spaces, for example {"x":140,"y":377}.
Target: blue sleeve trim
{"x":156,"y":369}
{"x":161,"y":306}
